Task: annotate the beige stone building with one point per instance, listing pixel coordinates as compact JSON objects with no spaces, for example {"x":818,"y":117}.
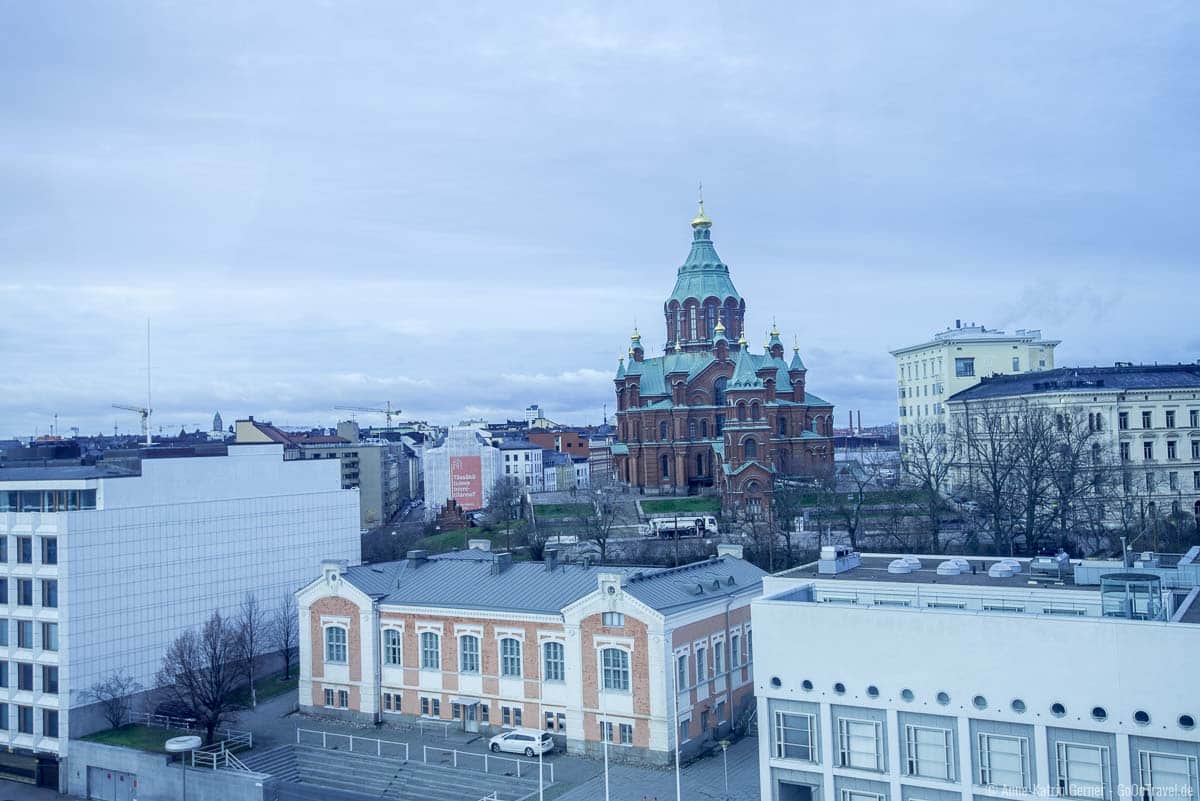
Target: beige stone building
{"x":639,"y":656}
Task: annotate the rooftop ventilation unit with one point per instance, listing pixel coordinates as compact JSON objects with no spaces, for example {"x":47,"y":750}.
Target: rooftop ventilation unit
{"x":1013,"y":563}
{"x":900,"y":567}
{"x":836,"y":560}
{"x":949,"y":568}
{"x":1000,"y":570}
{"x":1055,"y":566}
{"x":963,"y":564}
{"x":912,"y":561}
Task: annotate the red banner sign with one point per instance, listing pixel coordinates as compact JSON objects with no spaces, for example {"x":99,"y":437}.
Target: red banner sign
{"x":466,"y":482}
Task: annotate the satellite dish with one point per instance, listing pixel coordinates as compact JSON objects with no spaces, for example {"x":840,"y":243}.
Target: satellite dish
{"x":179,"y":745}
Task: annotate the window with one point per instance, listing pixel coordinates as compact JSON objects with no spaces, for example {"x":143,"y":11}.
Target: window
{"x":858,"y":795}
{"x":1148,"y":451}
{"x":561,"y":721}
{"x":1124,"y":451}
{"x":718,"y":659}
{"x":1016,"y":364}
{"x":554,"y":661}
{"x":1123,"y":420}
{"x":1167,"y":775}
{"x":3,"y":539}
{"x":1082,"y":771}
{"x":510,"y":657}
{"x":606,"y":731}
{"x":455,"y":711}
{"x":664,"y":463}
{"x":860,"y":744}
{"x":391,"y":647}
{"x":3,"y":631}
{"x":468,"y":654}
{"x":615,"y":663}
{"x":50,"y":593}
{"x":25,"y":550}
{"x":750,"y":448}
{"x":516,"y":716}
{"x":50,"y":679}
{"x":3,"y":677}
{"x":964,"y":367}
{"x":335,"y":644}
{"x":1004,"y":762}
{"x":1196,"y":449}
{"x":1172,"y":449}
{"x":681,"y":672}
{"x":24,"y":633}
{"x":431,"y":653}
{"x":626,"y":731}
{"x":25,"y":719}
{"x":929,"y":753}
{"x":25,"y":676}
{"x":701,"y":664}
{"x":1170,"y":418}
{"x":343,"y":699}
{"x":795,"y":736}
{"x":391,"y":702}
{"x":735,"y":647}
{"x":1173,"y":480}
{"x":49,"y":550}
{"x":704,"y":429}
{"x":1196,"y":479}
{"x":613,"y":619}
{"x":328,"y":697}
{"x":425,"y":708}
{"x":1147,"y":420}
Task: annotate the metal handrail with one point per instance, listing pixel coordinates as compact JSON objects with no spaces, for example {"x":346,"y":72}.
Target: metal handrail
{"x":326,"y":735}
{"x":487,"y":758}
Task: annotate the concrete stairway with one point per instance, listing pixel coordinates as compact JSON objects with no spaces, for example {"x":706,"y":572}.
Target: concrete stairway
{"x":385,"y":777}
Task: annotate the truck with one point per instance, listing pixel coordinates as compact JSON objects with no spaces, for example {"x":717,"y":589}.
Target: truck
{"x":668,"y":526}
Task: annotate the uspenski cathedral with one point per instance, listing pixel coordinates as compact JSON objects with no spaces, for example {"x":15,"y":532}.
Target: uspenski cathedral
{"x":709,"y":412}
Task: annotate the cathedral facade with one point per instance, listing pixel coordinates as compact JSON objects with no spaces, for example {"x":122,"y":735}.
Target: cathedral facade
{"x":709,"y":413}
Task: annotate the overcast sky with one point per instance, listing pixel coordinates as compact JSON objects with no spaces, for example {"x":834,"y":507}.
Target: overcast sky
{"x":463,"y":209}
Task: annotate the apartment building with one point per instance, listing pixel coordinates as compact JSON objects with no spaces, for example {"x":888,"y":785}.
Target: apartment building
{"x":964,"y":679}
{"x":645,"y":658}
{"x":1143,"y":418}
{"x":103,"y":565}
{"x":955,"y":359}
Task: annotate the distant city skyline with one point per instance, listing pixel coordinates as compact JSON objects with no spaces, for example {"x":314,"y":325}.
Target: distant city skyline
{"x":464,"y":212}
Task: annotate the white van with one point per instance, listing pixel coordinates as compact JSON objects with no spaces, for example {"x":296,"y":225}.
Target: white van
{"x":523,"y":741}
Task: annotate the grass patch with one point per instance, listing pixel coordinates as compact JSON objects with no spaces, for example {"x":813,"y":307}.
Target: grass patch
{"x":449,"y":540}
{"x":269,"y":687}
{"x":135,"y":735}
{"x":562,"y":509}
{"x":692,"y":505}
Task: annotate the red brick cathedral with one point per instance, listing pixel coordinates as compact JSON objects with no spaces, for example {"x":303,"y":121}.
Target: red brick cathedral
{"x":708,"y":412}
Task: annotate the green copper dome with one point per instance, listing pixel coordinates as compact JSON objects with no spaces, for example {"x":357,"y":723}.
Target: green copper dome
{"x":703,"y":274}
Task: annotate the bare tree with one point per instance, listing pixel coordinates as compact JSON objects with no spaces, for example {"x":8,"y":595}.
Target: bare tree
{"x":789,"y":501}
{"x":841,"y":493}
{"x":285,"y":630}
{"x":504,"y":507}
{"x":115,"y":696}
{"x":930,"y":456}
{"x":251,"y":625}
{"x":990,"y":465}
{"x":597,"y":518}
{"x":199,"y":673}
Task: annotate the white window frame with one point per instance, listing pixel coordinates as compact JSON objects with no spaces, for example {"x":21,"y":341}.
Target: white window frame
{"x":393,"y":653}
{"x":1063,"y":773}
{"x":986,"y":776}
{"x":1146,"y":771}
{"x":431,"y":658}
{"x":847,"y":738}
{"x":332,"y":648}
{"x":613,"y":619}
{"x":735,"y":646}
{"x":718,"y":658}
{"x":779,"y":727}
{"x":476,"y":656}
{"x":858,"y":795}
{"x":560,"y":661}
{"x":682,"y":682}
{"x":509,"y":668}
{"x":620,"y":673}
{"x":701,"y":653}
{"x":913,"y":761}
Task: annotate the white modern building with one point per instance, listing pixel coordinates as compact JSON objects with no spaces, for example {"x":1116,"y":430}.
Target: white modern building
{"x":102,"y":566}
{"x":1143,"y":418}
{"x":930,"y":372}
{"x":522,"y":464}
{"x":931,"y":678}
{"x":461,"y":468}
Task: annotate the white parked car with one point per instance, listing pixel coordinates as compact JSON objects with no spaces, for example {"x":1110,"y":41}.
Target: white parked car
{"x":523,"y":741}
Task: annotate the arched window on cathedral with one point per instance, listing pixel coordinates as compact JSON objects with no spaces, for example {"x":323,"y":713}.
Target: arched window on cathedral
{"x":662,"y":430}
{"x":704,"y":428}
{"x":741,"y":411}
{"x":782,"y":426}
{"x":719,"y":391}
{"x":754,"y":411}
{"x":699,"y":464}
{"x":710,"y":319}
{"x":750,"y":447}
{"x":691,"y":429}
{"x":665,"y":463}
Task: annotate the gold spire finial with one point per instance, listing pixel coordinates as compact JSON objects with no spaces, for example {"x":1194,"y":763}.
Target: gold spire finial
{"x":720,"y":327}
{"x":678,"y":347}
{"x":774,"y":328}
{"x":795,"y":344}
{"x":701,"y":220}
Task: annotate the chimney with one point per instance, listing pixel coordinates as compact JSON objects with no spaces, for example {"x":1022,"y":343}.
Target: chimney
{"x":550,"y":558}
{"x":501,"y":561}
{"x":418,"y":558}
{"x":958,"y":323}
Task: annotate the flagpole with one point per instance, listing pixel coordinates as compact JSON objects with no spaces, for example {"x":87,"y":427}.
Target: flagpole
{"x":675,"y":733}
{"x":604,"y":732}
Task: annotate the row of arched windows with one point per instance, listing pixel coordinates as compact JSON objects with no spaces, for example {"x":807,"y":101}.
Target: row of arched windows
{"x":614,"y":661}
{"x":691,"y":321}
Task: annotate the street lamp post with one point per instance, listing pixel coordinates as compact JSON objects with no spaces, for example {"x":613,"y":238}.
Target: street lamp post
{"x":725,"y":765}
{"x":182,"y":745}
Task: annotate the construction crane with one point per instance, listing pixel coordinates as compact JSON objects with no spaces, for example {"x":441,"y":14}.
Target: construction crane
{"x":144,"y":412}
{"x":389,"y":412}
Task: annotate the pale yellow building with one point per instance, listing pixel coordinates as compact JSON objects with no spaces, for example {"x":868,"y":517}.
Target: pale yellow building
{"x":956,"y":359}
